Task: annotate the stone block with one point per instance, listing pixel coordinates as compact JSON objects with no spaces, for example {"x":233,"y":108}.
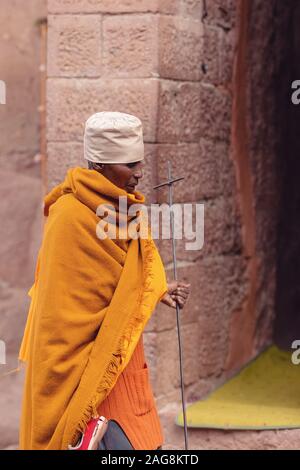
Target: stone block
{"x":180,"y":47}
{"x":74,"y":45}
{"x":222,"y":233}
{"x":72,"y":101}
{"x":206,"y":168}
{"x":179,"y":112}
{"x":185,"y":159}
{"x":130,"y":46}
{"x":168,"y":372}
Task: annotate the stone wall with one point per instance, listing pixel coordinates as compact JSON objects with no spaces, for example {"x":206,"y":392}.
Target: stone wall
{"x":171,"y":64}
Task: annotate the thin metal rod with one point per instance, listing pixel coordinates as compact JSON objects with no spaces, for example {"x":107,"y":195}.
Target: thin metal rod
{"x":177,"y":307}
{"x":168,"y":183}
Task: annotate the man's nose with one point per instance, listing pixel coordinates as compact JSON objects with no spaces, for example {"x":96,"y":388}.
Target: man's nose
{"x":138,"y":173}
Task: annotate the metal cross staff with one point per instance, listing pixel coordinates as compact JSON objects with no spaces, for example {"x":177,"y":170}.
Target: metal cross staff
{"x":170,"y":183}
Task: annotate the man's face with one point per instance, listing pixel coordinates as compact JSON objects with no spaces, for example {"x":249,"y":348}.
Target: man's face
{"x":125,"y":176}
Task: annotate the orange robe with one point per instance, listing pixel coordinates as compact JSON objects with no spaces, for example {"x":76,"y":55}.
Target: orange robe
{"x":131,"y":403}
{"x":91,"y":301}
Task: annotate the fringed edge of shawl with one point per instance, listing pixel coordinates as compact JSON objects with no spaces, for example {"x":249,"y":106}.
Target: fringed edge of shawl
{"x":137,"y":319}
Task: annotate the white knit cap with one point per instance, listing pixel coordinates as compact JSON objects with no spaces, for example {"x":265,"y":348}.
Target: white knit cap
{"x":112,"y":137}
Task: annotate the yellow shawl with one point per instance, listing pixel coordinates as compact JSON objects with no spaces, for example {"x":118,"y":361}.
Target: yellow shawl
{"x":89,"y":305}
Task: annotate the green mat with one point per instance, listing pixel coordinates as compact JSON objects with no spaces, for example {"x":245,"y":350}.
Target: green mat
{"x":264,"y":395}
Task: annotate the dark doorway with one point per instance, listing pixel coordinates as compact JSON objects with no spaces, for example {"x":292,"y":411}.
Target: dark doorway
{"x":287,"y":322}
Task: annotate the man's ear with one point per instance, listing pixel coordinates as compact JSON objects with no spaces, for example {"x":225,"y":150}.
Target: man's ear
{"x":95,"y":166}
{"x":99,"y":166}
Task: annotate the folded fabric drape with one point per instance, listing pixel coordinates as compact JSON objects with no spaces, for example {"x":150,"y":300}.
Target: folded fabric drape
{"x":90,"y":302}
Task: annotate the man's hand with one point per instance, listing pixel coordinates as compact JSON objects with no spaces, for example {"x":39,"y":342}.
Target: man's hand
{"x":178,"y":292}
